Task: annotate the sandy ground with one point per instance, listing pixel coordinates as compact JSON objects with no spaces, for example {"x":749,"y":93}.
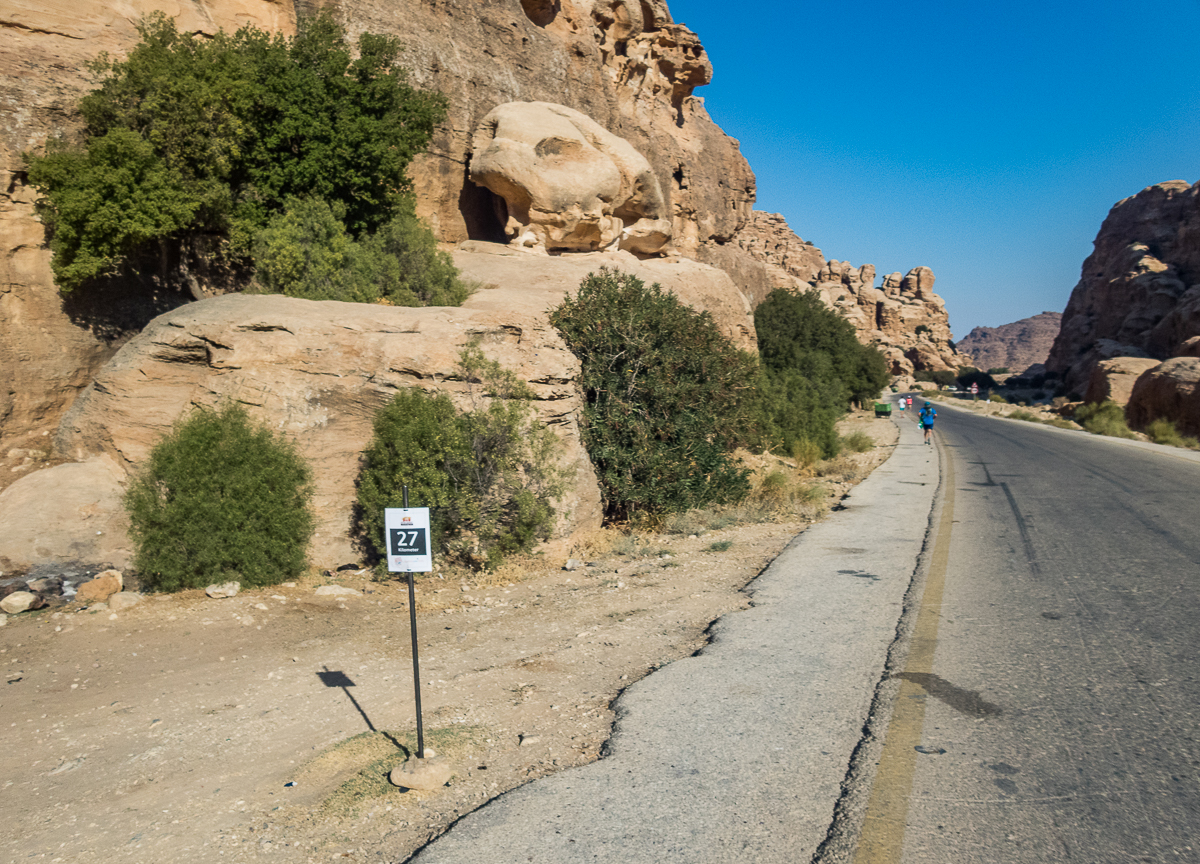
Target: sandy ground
{"x":193,"y":729}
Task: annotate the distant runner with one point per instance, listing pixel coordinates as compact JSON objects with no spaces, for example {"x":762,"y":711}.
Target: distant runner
{"x":903,"y":403}
{"x":926,"y":418}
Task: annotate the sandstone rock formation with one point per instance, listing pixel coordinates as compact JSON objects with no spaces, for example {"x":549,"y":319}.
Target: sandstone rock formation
{"x":564,"y":182}
{"x":318,"y":372}
{"x":1015,"y":346}
{"x":48,"y":349}
{"x":1140,"y":287}
{"x":1170,"y":390}
{"x":902,"y":317}
{"x":624,"y":64}
{"x":66,"y":513}
{"x":1113,"y":380}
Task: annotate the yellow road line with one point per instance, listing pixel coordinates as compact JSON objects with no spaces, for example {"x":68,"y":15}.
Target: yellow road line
{"x":882,"y":837}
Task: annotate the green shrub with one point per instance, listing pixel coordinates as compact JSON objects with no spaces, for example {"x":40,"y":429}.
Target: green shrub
{"x":857,"y":442}
{"x":667,"y":396}
{"x":220,"y":499}
{"x":996,"y":397}
{"x":941,"y":377}
{"x":1026,"y":416}
{"x":306,"y":251}
{"x":720,"y":546}
{"x":489,"y":475}
{"x":195,"y":136}
{"x":998,"y":370}
{"x":799,"y":332}
{"x":806,"y":453}
{"x":1104,"y":418}
{"x":1163,"y":431}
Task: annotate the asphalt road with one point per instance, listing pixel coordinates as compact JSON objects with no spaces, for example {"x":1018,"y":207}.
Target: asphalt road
{"x":1050,"y":707}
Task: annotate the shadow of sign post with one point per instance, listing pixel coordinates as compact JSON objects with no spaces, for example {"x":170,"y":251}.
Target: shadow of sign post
{"x":333,"y":678}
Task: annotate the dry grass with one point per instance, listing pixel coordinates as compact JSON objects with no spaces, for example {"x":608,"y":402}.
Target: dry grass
{"x":358,"y":767}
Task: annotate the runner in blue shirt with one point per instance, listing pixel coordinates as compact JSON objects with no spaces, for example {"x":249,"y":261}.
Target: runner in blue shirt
{"x":926,"y":418}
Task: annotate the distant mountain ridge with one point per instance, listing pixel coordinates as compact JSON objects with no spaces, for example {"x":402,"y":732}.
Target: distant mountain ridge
{"x":1015,"y":346}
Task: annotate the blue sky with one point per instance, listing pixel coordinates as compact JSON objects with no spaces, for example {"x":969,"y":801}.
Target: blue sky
{"x":986,"y":141}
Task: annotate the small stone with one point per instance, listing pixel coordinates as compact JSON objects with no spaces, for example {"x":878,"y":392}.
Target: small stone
{"x":336,"y":591}
{"x":287,"y":584}
{"x":98,"y":607}
{"x":124,"y":600}
{"x":17,"y":602}
{"x":422,"y":774}
{"x":262,"y":606}
{"x":529,"y":739}
{"x":573,"y":564}
{"x":226,"y":589}
{"x":247,"y":621}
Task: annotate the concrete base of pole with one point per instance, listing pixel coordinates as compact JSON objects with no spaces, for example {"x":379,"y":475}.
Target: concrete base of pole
{"x":423,"y":774}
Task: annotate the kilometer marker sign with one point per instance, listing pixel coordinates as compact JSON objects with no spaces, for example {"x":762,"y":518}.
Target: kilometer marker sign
{"x":407,"y":530}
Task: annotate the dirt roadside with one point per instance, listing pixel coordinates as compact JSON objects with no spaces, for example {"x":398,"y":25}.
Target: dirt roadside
{"x":193,"y":729}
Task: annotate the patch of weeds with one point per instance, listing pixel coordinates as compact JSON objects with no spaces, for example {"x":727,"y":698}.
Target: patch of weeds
{"x":839,"y":468}
{"x":1163,"y":431}
{"x":1105,"y":418}
{"x":670,"y":564}
{"x":857,"y":442}
{"x":1027,"y":416}
{"x":628,"y":545}
{"x":719,"y":546}
{"x":806,"y":453}
{"x":996,"y":397}
{"x":1060,"y":423}
{"x":360,"y":766}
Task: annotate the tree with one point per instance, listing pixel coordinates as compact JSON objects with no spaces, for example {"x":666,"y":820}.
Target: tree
{"x":667,"y":396}
{"x":814,"y":367}
{"x":213,"y":137}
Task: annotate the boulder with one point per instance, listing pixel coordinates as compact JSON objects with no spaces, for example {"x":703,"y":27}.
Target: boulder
{"x":100,"y":589}
{"x":224,"y":590}
{"x":566,"y":183}
{"x":1170,"y":390}
{"x":1113,"y":380}
{"x":18,"y":602}
{"x":65,"y":513}
{"x":421,"y":774}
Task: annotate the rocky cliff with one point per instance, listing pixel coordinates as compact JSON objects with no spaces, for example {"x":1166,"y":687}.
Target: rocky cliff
{"x":1015,"y":346}
{"x":624,"y":63}
{"x":623,"y":66}
{"x":1139,"y":291}
{"x":902,"y":316}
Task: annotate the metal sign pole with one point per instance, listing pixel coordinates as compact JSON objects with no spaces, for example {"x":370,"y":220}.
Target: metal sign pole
{"x":412,"y":619}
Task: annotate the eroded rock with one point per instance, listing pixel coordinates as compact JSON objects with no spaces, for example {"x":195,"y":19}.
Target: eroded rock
{"x":1170,"y":390}
{"x":18,"y":602}
{"x":1113,"y":380}
{"x":566,"y":183}
{"x":224,"y":590}
{"x":1140,"y":287}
